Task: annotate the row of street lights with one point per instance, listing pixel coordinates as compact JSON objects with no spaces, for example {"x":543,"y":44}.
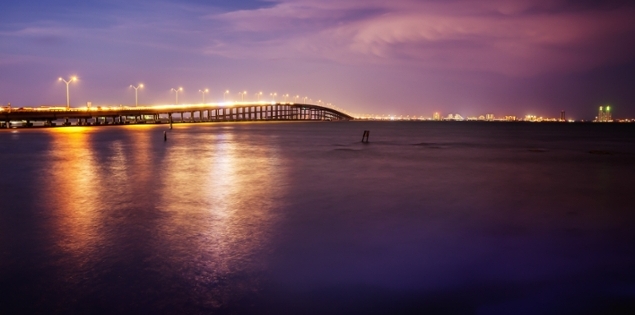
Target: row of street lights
{"x":71,"y":79}
{"x":180,"y":89}
{"x":242,"y":95}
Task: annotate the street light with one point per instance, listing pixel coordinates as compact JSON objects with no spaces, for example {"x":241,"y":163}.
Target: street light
{"x":204,"y":91}
{"x":297,"y":98}
{"x":273,"y":95}
{"x":68,"y":97}
{"x":226,"y":93}
{"x":286,"y":97}
{"x":258,"y":95}
{"x":136,"y":98}
{"x":242,"y":95}
{"x":304,"y":99}
{"x":176,"y":91}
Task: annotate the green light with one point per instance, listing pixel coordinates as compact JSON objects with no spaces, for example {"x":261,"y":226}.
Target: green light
{"x":608,"y":108}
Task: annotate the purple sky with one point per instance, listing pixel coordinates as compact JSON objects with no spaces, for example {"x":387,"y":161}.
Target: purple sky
{"x":400,"y":57}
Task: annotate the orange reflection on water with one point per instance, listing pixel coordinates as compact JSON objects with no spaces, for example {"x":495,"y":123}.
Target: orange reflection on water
{"x":141,"y":159}
{"x":73,"y":188}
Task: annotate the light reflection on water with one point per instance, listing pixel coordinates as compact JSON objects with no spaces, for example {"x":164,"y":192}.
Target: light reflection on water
{"x":302,"y":218}
{"x":218,"y":213}
{"x":72,"y":191}
{"x":191,"y":218}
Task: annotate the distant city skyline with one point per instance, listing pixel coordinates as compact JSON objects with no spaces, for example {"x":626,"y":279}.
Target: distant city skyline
{"x":369,"y":57}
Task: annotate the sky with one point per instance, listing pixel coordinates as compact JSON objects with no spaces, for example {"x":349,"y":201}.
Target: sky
{"x":397,"y":57}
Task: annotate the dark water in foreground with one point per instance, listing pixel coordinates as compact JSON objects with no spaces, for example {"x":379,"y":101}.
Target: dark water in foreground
{"x":279,"y":218}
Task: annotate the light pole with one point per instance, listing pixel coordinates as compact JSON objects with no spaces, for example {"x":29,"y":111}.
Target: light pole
{"x":136,"y":98}
{"x":297,"y":98}
{"x":68,"y":97}
{"x":286,"y":97}
{"x":304,"y":99}
{"x":224,"y":94}
{"x":273,"y":96}
{"x":176,"y":91}
{"x":204,"y":91}
{"x":258,"y":95}
{"x":242,"y":95}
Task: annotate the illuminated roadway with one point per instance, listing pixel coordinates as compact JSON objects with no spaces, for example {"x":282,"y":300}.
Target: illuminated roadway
{"x":235,"y":111}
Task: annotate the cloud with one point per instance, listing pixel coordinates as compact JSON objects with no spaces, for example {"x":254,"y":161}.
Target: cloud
{"x":515,"y":38}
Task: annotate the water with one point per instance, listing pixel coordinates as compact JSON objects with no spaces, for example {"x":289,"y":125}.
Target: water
{"x":274,"y":218}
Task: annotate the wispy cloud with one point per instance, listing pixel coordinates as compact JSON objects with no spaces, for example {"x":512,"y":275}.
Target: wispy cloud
{"x":510,"y":37}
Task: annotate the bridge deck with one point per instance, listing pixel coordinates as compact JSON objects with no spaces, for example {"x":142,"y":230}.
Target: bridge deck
{"x":167,"y":113}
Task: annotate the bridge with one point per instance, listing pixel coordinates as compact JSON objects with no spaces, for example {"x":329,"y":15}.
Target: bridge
{"x":191,"y":113}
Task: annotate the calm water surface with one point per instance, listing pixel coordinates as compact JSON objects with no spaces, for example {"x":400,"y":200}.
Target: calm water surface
{"x":277,"y":218}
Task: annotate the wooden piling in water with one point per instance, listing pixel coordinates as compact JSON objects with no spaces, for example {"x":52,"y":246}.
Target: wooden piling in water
{"x":365,"y":136}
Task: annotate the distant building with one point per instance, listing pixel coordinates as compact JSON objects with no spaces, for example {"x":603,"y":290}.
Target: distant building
{"x":436,"y":116}
{"x":562,"y":116}
{"x":489,"y":117}
{"x":510,"y":118}
{"x":604,"y":114}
